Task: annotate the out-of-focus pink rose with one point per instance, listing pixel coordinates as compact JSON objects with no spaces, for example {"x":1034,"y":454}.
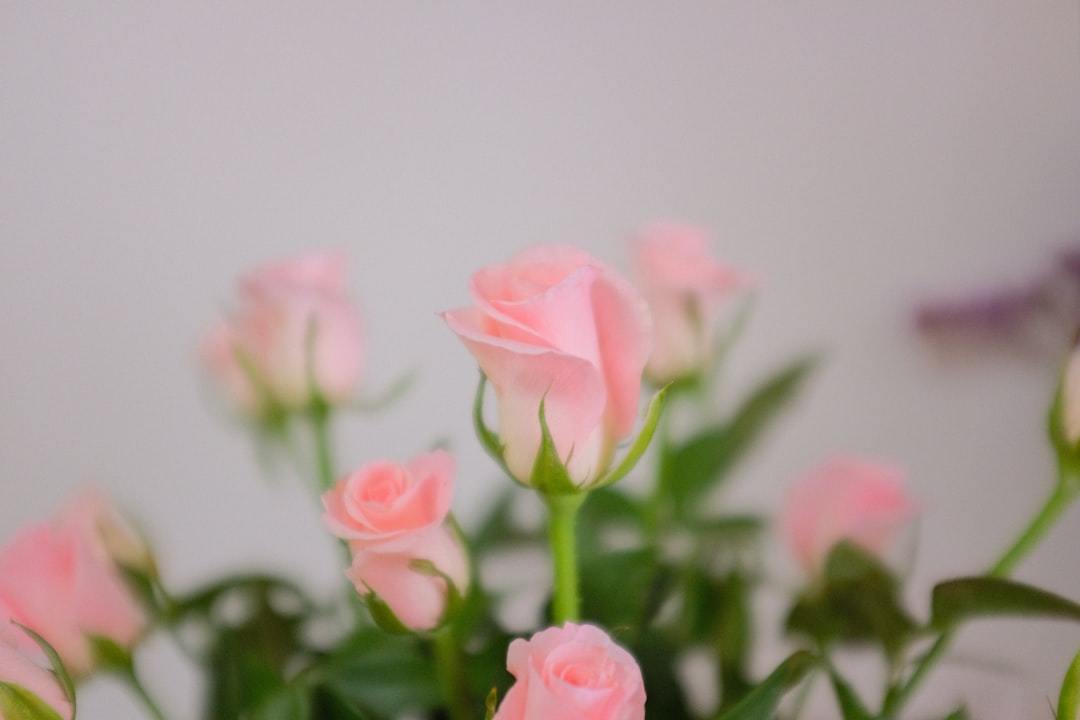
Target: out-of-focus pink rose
{"x":294,"y":337}
{"x":687,"y":289}
{"x":17,"y":668}
{"x":575,"y":672}
{"x":57,"y":579}
{"x":417,"y":597}
{"x":556,"y":324}
{"x":108,"y":530}
{"x":1070,"y":399}
{"x":384,"y":501}
{"x":846,"y":499}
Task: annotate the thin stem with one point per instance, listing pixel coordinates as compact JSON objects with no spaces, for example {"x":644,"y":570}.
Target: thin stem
{"x":1056,"y":504}
{"x":449,"y":667}
{"x":148,"y":702}
{"x":562,"y":512}
{"x":659,"y":497}
{"x":320,"y":422}
{"x":1064,"y":493}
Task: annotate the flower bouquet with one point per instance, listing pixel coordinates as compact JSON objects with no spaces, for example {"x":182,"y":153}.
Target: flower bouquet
{"x":651,"y":605}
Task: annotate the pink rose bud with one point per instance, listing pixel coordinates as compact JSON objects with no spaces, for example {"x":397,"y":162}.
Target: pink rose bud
{"x":294,"y":338}
{"x":687,"y":289}
{"x":845,"y":499}
{"x":56,"y":579}
{"x":18,"y":669}
{"x":574,"y":672}
{"x":384,"y":501}
{"x":556,"y":324}
{"x":410,"y":575}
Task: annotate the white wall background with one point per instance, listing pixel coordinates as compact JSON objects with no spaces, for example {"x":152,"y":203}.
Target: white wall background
{"x":859,"y":156}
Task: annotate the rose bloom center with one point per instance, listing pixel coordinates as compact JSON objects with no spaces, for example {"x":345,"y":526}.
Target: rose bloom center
{"x":584,"y":668}
{"x":383,"y":488}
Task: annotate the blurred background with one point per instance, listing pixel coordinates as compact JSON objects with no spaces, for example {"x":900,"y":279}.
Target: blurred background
{"x":861,"y":158}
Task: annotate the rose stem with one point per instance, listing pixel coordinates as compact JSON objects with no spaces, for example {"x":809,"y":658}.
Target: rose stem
{"x":561,"y":535}
{"x":1065,"y":491}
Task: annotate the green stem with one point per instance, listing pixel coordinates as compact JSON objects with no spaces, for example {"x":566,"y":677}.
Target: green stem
{"x":449,"y":667}
{"x":320,"y":422}
{"x":659,"y":497}
{"x":562,"y":511}
{"x":1065,"y":491}
{"x":1056,"y":504}
{"x":148,"y":702}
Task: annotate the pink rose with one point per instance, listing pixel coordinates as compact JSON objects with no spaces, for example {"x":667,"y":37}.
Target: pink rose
{"x":293,"y":338}
{"x":417,"y":597}
{"x":557,"y":324}
{"x":845,"y":499}
{"x":56,"y":579}
{"x":114,"y":538}
{"x":574,"y":672}
{"x":687,"y":289}
{"x":17,"y":668}
{"x":384,"y":501}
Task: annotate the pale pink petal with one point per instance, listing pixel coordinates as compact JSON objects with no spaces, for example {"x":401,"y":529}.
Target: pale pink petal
{"x":521,"y":375}
{"x":18,"y":669}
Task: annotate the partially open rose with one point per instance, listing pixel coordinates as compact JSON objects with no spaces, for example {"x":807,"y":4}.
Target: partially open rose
{"x":687,"y":289}
{"x":575,"y":672}
{"x":384,"y":501}
{"x":293,"y":337}
{"x":56,"y":579}
{"x":845,"y":499}
{"x":556,"y":324}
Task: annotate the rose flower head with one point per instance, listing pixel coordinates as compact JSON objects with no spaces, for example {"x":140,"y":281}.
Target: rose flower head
{"x":293,"y":338}
{"x":405,"y":555}
{"x":573,"y":672}
{"x":556,"y":325}
{"x":687,"y":289}
{"x":58,"y":579}
{"x":845,"y":499}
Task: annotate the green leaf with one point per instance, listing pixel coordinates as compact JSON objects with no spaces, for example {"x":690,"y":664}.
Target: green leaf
{"x":962,"y":599}
{"x":691,"y":468}
{"x":18,"y":703}
{"x":109,"y":656}
{"x":491,"y":703}
{"x":658,"y":657}
{"x":851,"y":707}
{"x":290,"y":703}
{"x":641,"y":442}
{"x":1069,"y":701}
{"x":961,"y":713}
{"x":620,"y":589}
{"x":762,"y":701}
{"x":549,"y":474}
{"x":859,"y":601}
{"x":382,"y":675}
{"x":57,"y":664}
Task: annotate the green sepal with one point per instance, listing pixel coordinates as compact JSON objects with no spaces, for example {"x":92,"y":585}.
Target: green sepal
{"x":641,"y":443}
{"x":549,"y":474}
{"x":955,"y":601}
{"x":762,"y":701}
{"x":489,"y":439}
{"x":851,"y":707}
{"x":1069,"y":701}
{"x":109,"y":656}
{"x":383,"y":616}
{"x":18,"y":703}
{"x":491,"y":703}
{"x":57,"y":664}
